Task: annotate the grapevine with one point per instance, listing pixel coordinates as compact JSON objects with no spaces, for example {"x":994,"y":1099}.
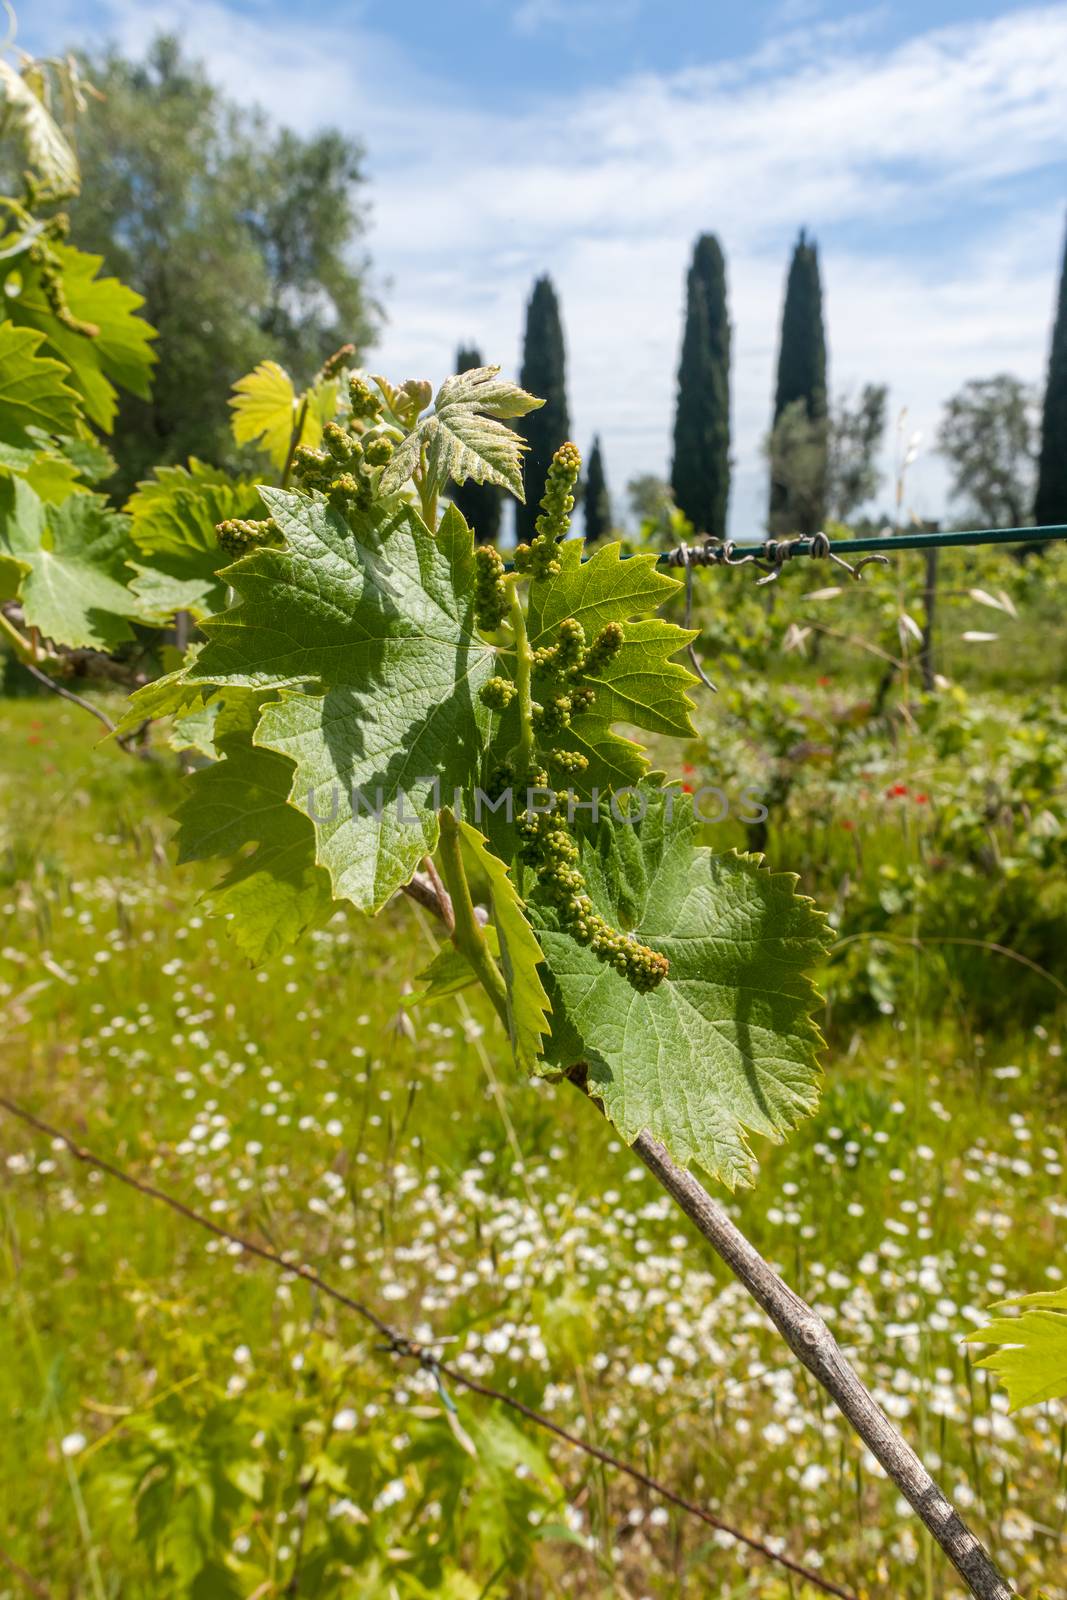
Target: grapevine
{"x":379,"y":707}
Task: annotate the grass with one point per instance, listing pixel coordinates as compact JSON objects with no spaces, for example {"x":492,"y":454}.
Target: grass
{"x":395,"y":1150}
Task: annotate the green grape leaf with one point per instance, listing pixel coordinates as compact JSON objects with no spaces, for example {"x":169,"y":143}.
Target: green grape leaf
{"x":463,"y":437}
{"x":172,"y":695}
{"x":195,"y":729}
{"x":50,"y":475}
{"x":174,"y":516}
{"x":640,"y":685}
{"x":1032,"y":1360}
{"x":520,"y":956}
{"x":264,"y":411}
{"x":48,"y":151}
{"x":74,"y":565}
{"x":90,"y":459}
{"x":33,"y":390}
{"x":267,"y":409}
{"x":450,"y":971}
{"x":368,"y":632}
{"x":276,"y":893}
{"x":725,"y":1045}
{"x":120,"y":353}
{"x":53,"y":478}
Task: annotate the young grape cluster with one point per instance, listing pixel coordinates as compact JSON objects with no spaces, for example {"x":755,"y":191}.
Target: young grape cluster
{"x":344,"y":470}
{"x":561,"y":672}
{"x":563,"y":677}
{"x":237,"y":535}
{"x":538,"y":559}
{"x":491,"y":599}
{"x":551,"y":850}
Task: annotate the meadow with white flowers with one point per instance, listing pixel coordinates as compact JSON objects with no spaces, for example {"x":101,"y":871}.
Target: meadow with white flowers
{"x":180,"y":1419}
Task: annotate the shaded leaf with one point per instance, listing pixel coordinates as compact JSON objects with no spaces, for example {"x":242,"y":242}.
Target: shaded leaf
{"x":520,"y":956}
{"x":449,"y":971}
{"x":172,"y":695}
{"x":174,"y":516}
{"x":275,"y":893}
{"x":368,"y":632}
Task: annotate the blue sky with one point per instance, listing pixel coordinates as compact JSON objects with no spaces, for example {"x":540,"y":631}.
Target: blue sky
{"x":923,"y":145}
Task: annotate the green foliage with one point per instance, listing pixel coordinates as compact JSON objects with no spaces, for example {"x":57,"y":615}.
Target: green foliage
{"x":988,"y":435}
{"x":596,"y":502}
{"x":181,"y":187}
{"x":479,"y":503}
{"x":34,"y":395}
{"x":362,"y":709}
{"x":1050,"y":504}
{"x":856,"y":431}
{"x":450,"y":971}
{"x":173,"y":520}
{"x":727,"y":1044}
{"x":274,"y":892}
{"x":641,"y":684}
{"x":520,"y":956}
{"x":67,"y":564}
{"x":1032,"y":1359}
{"x":171,"y":695}
{"x":700,"y":472}
{"x":796,"y":455}
{"x":802,"y":378}
{"x":463,"y":437}
{"x":268,"y":413}
{"x":69,"y":339}
{"x":223,"y":1488}
{"x":367,"y":700}
{"x":366,"y":625}
{"x":116,"y":355}
{"x":543,"y":373}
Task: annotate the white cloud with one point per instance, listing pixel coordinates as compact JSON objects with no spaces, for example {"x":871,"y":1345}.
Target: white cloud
{"x":607,"y":188}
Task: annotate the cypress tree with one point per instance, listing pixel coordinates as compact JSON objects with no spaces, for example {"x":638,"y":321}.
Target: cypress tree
{"x":543,"y":374}
{"x":700,"y":474}
{"x":802,"y":376}
{"x":480,"y":503}
{"x":1050,"y":506}
{"x":596,"y":499}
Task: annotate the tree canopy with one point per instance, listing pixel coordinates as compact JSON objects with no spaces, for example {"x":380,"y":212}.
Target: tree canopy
{"x":1050,"y":506}
{"x":802,"y":378}
{"x":595,"y":497}
{"x":241,"y":237}
{"x":988,"y":436}
{"x":544,"y":373}
{"x":700,"y":474}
